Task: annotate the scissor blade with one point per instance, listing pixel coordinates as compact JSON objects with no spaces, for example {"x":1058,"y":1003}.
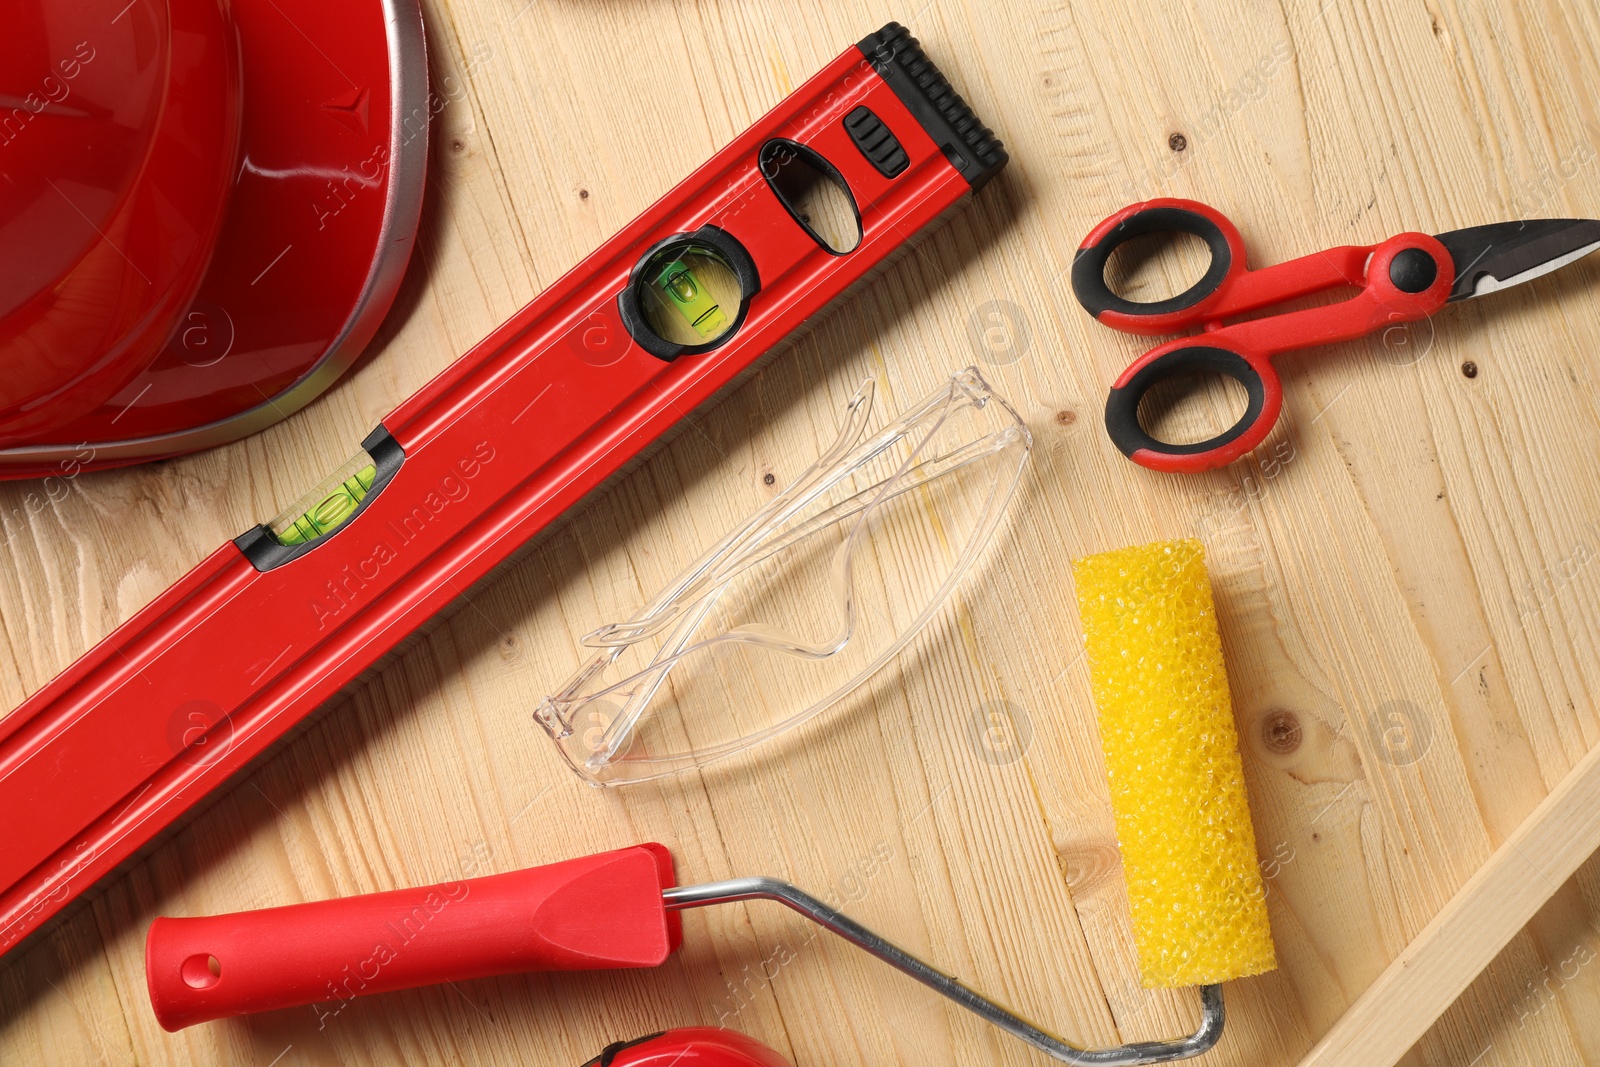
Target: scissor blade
{"x":1503,"y":254}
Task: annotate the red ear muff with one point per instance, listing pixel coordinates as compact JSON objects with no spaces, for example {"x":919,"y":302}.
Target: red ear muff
{"x":702,"y":1046}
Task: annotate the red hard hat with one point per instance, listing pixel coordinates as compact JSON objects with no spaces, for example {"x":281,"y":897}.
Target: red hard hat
{"x":205,"y":211}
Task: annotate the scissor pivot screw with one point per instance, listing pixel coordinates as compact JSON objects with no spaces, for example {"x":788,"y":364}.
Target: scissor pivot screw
{"x":1412,"y":270}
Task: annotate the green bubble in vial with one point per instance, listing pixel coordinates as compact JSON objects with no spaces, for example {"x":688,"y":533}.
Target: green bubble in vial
{"x":326,"y":514}
{"x":684,"y":291}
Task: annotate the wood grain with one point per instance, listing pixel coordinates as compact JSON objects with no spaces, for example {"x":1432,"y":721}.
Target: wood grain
{"x":1404,"y":572}
{"x":1459,"y":942}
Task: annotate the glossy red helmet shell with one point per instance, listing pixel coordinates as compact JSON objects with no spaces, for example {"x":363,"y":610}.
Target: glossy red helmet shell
{"x":206,"y":210}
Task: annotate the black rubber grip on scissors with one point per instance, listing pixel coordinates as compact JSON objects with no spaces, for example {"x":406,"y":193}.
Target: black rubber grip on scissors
{"x":1122,"y":406}
{"x":1089,"y":266}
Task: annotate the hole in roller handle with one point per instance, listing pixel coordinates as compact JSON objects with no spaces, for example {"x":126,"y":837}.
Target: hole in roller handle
{"x":1264,"y":399}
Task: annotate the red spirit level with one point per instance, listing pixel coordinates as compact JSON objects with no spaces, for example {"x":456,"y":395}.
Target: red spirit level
{"x":508,"y":437}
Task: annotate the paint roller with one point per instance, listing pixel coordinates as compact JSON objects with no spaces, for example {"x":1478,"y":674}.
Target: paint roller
{"x":1195,"y":892}
{"x":1177,"y":786}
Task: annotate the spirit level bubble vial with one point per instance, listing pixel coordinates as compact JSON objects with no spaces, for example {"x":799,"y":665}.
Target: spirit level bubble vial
{"x":503,"y":441}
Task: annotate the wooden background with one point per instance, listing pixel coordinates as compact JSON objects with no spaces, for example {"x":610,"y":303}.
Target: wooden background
{"x":1404,"y":572}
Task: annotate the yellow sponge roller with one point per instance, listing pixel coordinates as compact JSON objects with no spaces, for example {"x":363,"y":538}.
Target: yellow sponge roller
{"x":1172,"y":755}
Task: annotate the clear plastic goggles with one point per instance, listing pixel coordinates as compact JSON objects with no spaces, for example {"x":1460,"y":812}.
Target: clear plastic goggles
{"x":805,"y":600}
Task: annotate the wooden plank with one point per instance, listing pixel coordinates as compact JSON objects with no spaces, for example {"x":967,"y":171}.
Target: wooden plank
{"x":1458,"y":943}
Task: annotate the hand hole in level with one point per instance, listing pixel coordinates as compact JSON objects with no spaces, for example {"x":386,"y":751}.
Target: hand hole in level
{"x":814,"y":193}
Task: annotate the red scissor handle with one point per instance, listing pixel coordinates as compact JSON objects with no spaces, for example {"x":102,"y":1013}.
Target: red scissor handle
{"x":1165,"y":215}
{"x":1405,"y":278}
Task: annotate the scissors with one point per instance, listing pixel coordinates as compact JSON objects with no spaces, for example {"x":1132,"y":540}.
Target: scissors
{"x":1408,"y":277}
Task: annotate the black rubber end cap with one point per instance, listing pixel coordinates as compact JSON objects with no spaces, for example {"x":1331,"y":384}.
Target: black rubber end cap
{"x":971,"y":147}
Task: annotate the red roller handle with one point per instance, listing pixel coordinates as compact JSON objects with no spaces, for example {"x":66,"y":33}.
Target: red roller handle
{"x":594,"y":913}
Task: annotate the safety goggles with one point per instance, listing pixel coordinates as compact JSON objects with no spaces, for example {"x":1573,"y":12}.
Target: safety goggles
{"x":805,"y":600}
